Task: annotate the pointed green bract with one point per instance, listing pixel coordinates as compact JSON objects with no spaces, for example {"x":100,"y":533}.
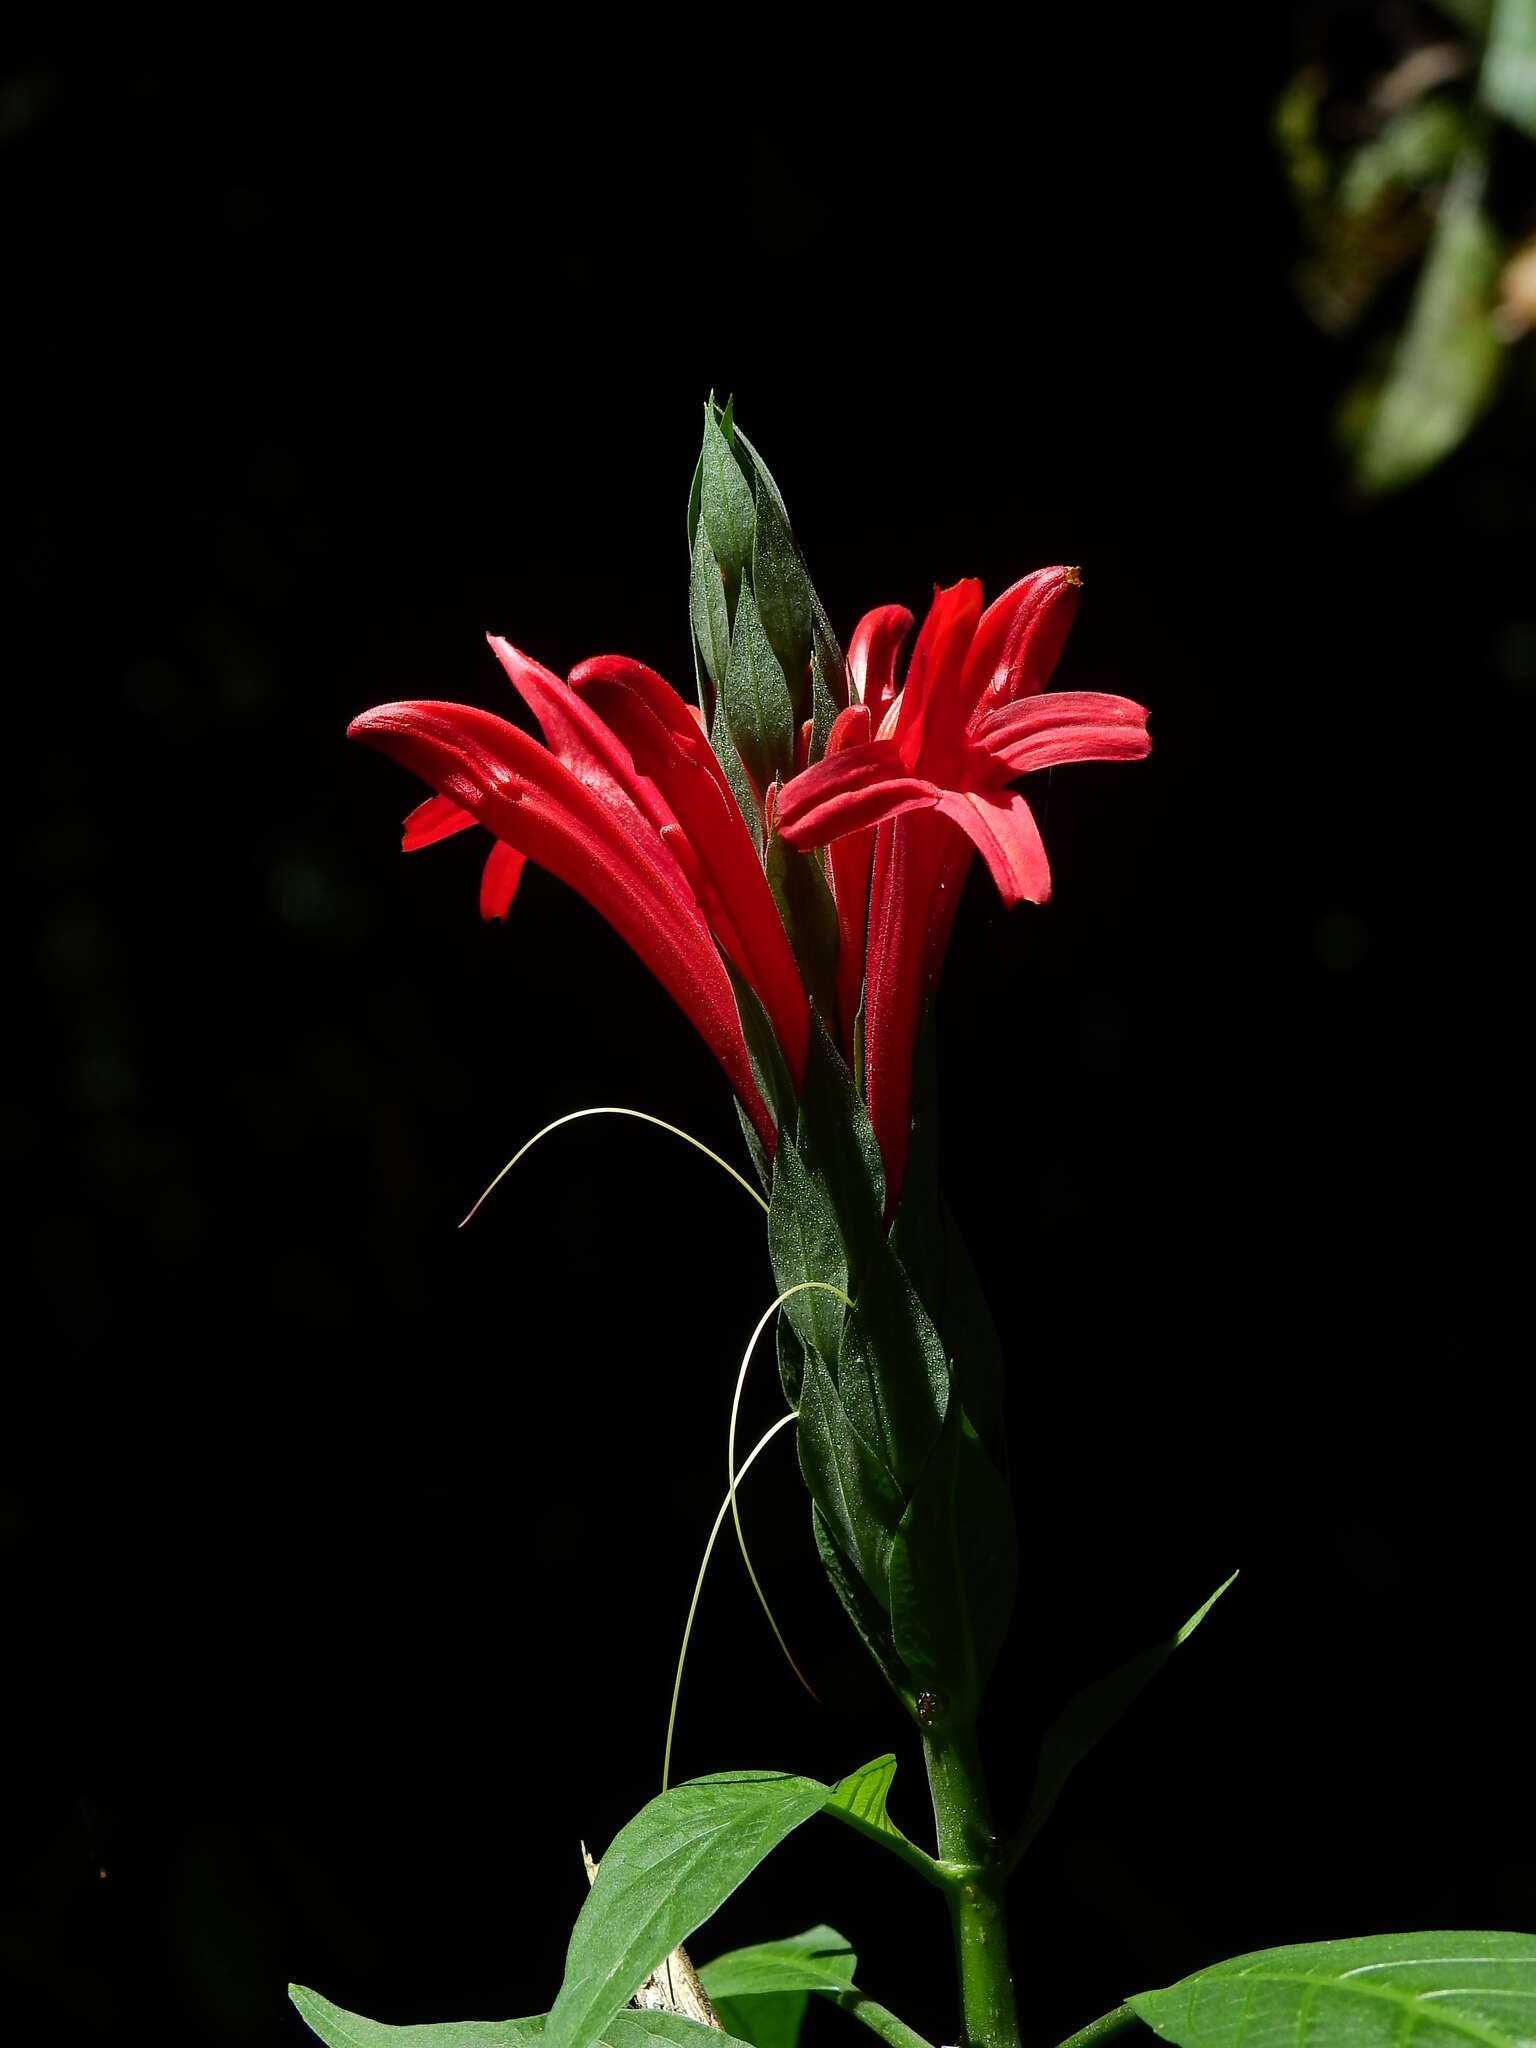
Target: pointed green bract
{"x":804,"y":1244}
{"x":1086,"y":1720}
{"x":707,"y":609}
{"x":774,"y":1081}
{"x":871,"y":1623}
{"x":725,"y":500}
{"x":824,"y":707}
{"x":756,"y":698}
{"x":954,"y":1570}
{"x":735,"y":774}
{"x":783,"y":593}
{"x":809,"y":917}
{"x":856,"y":1494}
{"x":1441,"y":1990}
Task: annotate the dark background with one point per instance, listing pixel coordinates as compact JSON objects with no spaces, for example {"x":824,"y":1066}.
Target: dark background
{"x":345,"y":1556}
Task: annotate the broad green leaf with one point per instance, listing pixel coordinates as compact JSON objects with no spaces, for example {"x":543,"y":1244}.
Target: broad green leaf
{"x":707,"y":609}
{"x":725,"y":501}
{"x":1447,"y":360}
{"x":756,"y":698}
{"x":871,"y":1623}
{"x":804,"y":1243}
{"x":954,"y":1570}
{"x":783,"y":593}
{"x":735,"y":774}
{"x":341,"y":2029}
{"x":854,"y":1491}
{"x":861,"y":1802}
{"x":1507,"y":86}
{"x":627,"y":2029}
{"x":772,"y":2021}
{"x":664,"y":1874}
{"x":818,"y":1960}
{"x":1087,"y":1719}
{"x":767,"y":1062}
{"x":1381,"y":1991}
{"x":809,"y":917}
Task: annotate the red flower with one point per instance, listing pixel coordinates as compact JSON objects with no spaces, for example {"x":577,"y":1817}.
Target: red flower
{"x":656,"y":844}
{"x":930,"y":789}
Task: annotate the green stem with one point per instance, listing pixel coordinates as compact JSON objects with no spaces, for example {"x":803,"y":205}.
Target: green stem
{"x":964,"y":1822}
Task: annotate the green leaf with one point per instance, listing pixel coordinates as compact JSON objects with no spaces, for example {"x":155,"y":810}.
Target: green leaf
{"x":707,"y":609}
{"x":1507,"y":86}
{"x":1086,"y":1720}
{"x":1448,"y":358}
{"x":762,"y":1165}
{"x":818,"y":1960}
{"x":791,"y":1356}
{"x":805,"y":1243}
{"x":735,"y":774}
{"x":1415,"y":148}
{"x":871,"y":1623}
{"x":1439,"y":1990}
{"x":341,"y":2029}
{"x":725,"y":500}
{"x":861,"y":1802}
{"x":954,"y":1570}
{"x":854,"y":1491}
{"x":627,"y":2029}
{"x":665,"y":1873}
{"x":783,"y":593}
{"x":809,"y":917}
{"x":839,"y":1142}
{"x":891,"y":1369}
{"x":756,"y":698}
{"x":767,"y":1062}
{"x":772,"y":2021}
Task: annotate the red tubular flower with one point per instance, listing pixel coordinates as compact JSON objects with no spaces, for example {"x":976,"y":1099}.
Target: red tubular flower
{"x":581,"y":809}
{"x":932,"y":786}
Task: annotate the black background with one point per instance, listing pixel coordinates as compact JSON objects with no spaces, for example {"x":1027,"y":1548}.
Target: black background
{"x":345,"y":1556}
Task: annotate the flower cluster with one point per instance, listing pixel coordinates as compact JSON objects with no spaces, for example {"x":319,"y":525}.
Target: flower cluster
{"x":680,"y":835}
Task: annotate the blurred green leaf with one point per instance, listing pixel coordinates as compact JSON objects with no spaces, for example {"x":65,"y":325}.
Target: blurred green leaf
{"x":1447,"y":360}
{"x":1507,"y":86}
{"x":1417,"y":147}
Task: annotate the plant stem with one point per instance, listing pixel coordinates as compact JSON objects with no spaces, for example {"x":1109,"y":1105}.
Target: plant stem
{"x":964,"y":1822}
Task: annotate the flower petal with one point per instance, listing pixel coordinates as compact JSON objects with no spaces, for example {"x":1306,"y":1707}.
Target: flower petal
{"x":872,"y":653}
{"x":431,"y":821}
{"x":849,"y":791}
{"x":848,"y":864}
{"x":1005,"y":834}
{"x":668,"y":748}
{"x":929,"y":698}
{"x":1064,"y":725}
{"x":499,"y":878}
{"x":535,"y":804}
{"x":1019,"y":641}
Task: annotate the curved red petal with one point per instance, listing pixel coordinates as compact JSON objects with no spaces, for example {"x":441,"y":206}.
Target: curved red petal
{"x":849,"y":791}
{"x":667,"y":746}
{"x":1064,"y":725}
{"x":873,"y":652}
{"x":1004,"y":833}
{"x":431,"y":821}
{"x":1019,"y":641}
{"x":499,"y":878}
{"x":535,"y":804}
{"x":930,"y":708}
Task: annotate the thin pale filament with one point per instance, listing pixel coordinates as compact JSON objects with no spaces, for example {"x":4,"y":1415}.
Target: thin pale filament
{"x":612,"y":1109}
{"x":693,"y":1605}
{"x":800,"y":1287}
